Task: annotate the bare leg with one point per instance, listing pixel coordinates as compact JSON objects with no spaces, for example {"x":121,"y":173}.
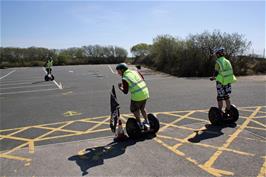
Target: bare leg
{"x":137,"y":115}
{"x":220,"y":104}
{"x":144,"y":113}
{"x":228,"y":104}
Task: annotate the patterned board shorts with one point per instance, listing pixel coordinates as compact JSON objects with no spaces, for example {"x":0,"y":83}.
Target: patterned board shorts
{"x":223,"y":91}
{"x":137,"y":105}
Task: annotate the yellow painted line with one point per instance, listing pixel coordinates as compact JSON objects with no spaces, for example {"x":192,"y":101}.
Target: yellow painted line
{"x":253,"y":139}
{"x":71,"y":113}
{"x":213,"y":171}
{"x":12,"y":157}
{"x":31,"y":147}
{"x":259,"y":123}
{"x":202,"y":120}
{"x":61,"y":130}
{"x":16,"y":148}
{"x":216,"y":155}
{"x":91,"y":121}
{"x":263,"y":169}
{"x":260,"y":117}
{"x":56,"y":129}
{"x":205,"y":145}
{"x":67,"y":93}
{"x":175,"y":121}
{"x":14,"y":138}
{"x":177,"y":152}
{"x":75,"y":134}
{"x":257,"y":128}
{"x":13,"y":133}
{"x":97,"y":125}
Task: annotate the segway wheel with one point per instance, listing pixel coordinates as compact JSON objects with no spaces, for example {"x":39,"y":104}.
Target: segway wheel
{"x":233,"y":115}
{"x":154,"y":123}
{"x":46,"y":78}
{"x":215,"y":116}
{"x":52,"y":77}
{"x":132,"y":128}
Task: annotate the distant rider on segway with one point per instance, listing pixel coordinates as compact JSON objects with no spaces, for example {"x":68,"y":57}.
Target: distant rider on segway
{"x":48,"y":65}
{"x":224,"y":76}
{"x":134,"y":82}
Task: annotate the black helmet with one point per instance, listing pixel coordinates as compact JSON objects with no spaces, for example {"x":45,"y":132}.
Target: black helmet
{"x":122,"y":66}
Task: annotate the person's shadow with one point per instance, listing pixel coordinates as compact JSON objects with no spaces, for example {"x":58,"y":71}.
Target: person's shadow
{"x":211,"y":131}
{"x":95,"y":156}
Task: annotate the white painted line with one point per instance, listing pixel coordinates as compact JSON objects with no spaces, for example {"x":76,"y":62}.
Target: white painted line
{"x":58,"y":85}
{"x":111,"y":69}
{"x":29,"y":91}
{"x":29,"y":86}
{"x":7,"y":74}
{"x":19,"y":83}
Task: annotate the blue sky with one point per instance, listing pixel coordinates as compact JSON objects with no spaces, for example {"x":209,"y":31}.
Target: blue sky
{"x":63,"y":24}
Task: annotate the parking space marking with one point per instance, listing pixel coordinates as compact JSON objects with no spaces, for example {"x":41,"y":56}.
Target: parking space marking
{"x":28,"y":91}
{"x":96,"y":125}
{"x":7,"y":74}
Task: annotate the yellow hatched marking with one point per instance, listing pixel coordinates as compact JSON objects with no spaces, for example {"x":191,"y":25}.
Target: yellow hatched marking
{"x":61,"y":130}
{"x":175,"y":121}
{"x":257,"y":122}
{"x":97,"y":125}
{"x":14,"y":157}
{"x":20,"y":130}
{"x":263,"y":169}
{"x":257,"y":128}
{"x":213,"y":171}
{"x":205,"y":145}
{"x":260,"y":117}
{"x":216,"y":155}
{"x":75,"y":134}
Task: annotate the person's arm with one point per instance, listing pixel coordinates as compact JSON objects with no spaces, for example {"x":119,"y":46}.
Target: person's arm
{"x":123,"y":86}
{"x":215,"y":72}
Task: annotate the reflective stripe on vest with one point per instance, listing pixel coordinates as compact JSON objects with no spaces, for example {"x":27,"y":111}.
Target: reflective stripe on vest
{"x":226,"y":75}
{"x":136,"y":85}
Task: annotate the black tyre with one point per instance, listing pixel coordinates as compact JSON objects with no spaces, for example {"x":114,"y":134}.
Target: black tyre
{"x":46,"y":78}
{"x":133,"y":129}
{"x":215,"y":116}
{"x":233,"y":115}
{"x":52,"y":77}
{"x":154,"y":123}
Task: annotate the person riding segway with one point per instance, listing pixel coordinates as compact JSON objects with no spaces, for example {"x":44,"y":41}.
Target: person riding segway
{"x":224,"y":77}
{"x":48,"y":67}
{"x":133,"y":82}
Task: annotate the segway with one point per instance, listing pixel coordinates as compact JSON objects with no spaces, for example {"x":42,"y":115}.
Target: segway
{"x":49,"y":76}
{"x":217,"y":117}
{"x":134,"y":130}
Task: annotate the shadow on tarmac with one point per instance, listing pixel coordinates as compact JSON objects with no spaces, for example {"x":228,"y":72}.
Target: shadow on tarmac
{"x":95,"y":156}
{"x":211,"y":131}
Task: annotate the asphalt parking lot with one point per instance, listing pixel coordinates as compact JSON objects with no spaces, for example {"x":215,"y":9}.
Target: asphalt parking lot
{"x":61,"y":127}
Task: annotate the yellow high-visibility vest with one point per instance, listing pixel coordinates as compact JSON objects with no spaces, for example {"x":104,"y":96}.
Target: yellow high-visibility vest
{"x":136,"y":85}
{"x":225,"y":74}
{"x":49,"y":64}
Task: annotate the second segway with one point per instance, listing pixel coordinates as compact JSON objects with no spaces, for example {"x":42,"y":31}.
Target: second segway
{"x":217,"y":117}
{"x":134,"y":130}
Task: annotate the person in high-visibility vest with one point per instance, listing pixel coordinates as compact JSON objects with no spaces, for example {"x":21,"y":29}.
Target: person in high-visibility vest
{"x":224,"y":77}
{"x":133,"y":82}
{"x":48,"y":65}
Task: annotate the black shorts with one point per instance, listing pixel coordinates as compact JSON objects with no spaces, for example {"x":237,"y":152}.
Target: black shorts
{"x":137,"y":105}
{"x":223,"y":91}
